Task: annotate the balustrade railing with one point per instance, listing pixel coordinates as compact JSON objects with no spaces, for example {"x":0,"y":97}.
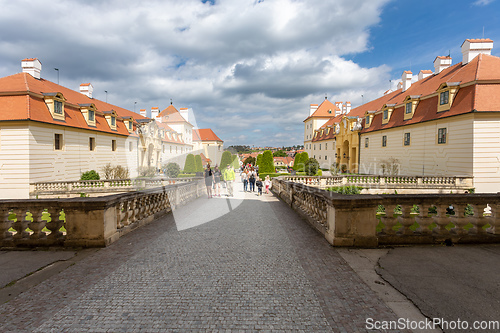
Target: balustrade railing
{"x":101,"y":186}
{"x":391,"y":219}
{"x":394,"y":182}
{"x":88,"y":222}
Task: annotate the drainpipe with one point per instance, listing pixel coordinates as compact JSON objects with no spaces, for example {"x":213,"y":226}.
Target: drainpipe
{"x":359,"y":150}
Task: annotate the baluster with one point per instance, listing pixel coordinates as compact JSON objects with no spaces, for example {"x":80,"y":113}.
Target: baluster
{"x":119,"y":212}
{"x":424,"y":220}
{"x":55,"y":223}
{"x":495,"y":219}
{"x":441,"y":220}
{"x":406,"y":219}
{"x":5,"y":225}
{"x":459,"y":219}
{"x":132,"y":213}
{"x":21,"y":224}
{"x":389,"y":220}
{"x":37,"y":224}
{"x":479,"y":219}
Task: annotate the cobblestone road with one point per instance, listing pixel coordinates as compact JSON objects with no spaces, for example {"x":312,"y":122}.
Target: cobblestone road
{"x":245,"y":264}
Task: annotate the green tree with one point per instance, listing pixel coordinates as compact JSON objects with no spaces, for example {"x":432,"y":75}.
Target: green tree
{"x":198,"y":164}
{"x":172,"y":170}
{"x":279,"y":153}
{"x":249,"y":160}
{"x":236,"y":162}
{"x":300,"y":160}
{"x":311,"y":167}
{"x":90,"y":175}
{"x":258,"y":161}
{"x":225,"y":160}
{"x":189,"y":165}
{"x":267,"y":162}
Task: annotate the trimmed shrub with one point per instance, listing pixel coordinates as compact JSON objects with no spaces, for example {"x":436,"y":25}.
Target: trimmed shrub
{"x":90,"y":175}
{"x":300,"y":161}
{"x":348,"y":190}
{"x":267,"y":162}
{"x":189,"y":165}
{"x":198,"y":164}
{"x":250,"y":160}
{"x":311,"y":167}
{"x":172,"y":170}
{"x":225,"y":160}
{"x":258,"y":161}
{"x":236,"y":162}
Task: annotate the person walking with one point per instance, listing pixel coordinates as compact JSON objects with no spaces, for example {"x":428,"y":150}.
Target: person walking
{"x":252,"y":175}
{"x":244,"y":180}
{"x":267,"y":184}
{"x":259,"y":185}
{"x":217,"y":184}
{"x":229,"y":178}
{"x":209,"y":178}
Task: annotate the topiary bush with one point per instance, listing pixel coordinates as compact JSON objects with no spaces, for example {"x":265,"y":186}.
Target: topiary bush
{"x":225,"y":160}
{"x":267,"y":162}
{"x":190,"y":165}
{"x":198,"y":163}
{"x":172,"y":170}
{"x":311,"y":167}
{"x":90,"y":175}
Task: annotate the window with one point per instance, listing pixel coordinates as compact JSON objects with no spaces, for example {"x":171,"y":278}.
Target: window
{"x":113,"y":121}
{"x":444,"y":97}
{"x":130,"y":146}
{"x":58,"y":141}
{"x":384,"y":141}
{"x":386,"y":114}
{"x":326,"y":157}
{"x":367,"y":120}
{"x":326,"y":146}
{"x":58,"y":107}
{"x":366,"y":142}
{"x":130,"y":125}
{"x":113,"y":145}
{"x":320,"y":146}
{"x":314,"y":147}
{"x":91,"y":115}
{"x":91,"y":144}
{"x":441,"y":135}
{"x":408,"y":108}
{"x":407,"y":139}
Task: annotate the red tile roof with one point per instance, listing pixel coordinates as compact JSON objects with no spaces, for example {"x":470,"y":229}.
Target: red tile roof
{"x":325,"y":110}
{"x":205,"y":134}
{"x":21,"y":98}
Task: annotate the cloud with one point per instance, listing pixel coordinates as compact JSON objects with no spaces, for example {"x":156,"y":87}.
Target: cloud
{"x":242,"y":66}
{"x":482,"y":2}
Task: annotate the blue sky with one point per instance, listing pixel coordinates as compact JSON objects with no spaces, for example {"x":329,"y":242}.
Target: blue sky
{"x":247,"y":68}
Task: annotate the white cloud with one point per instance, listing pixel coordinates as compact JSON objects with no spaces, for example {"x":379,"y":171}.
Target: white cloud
{"x":242,"y":66}
{"x":482,"y":2}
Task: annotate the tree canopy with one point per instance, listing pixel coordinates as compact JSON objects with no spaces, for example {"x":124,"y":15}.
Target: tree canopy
{"x":190,"y":165}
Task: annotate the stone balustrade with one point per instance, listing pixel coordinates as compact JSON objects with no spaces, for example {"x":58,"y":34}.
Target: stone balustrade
{"x":88,"y":222}
{"x":58,"y":188}
{"x":392,"y":219}
{"x":386,"y":182}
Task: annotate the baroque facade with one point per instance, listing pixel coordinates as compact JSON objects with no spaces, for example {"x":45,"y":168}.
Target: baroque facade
{"x":51,"y":133}
{"x":444,"y":122}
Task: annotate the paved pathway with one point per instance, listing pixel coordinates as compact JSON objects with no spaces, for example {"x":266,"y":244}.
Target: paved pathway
{"x":244,"y":264}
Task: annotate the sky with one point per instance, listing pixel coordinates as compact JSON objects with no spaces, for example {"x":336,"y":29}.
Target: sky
{"x":248,"y":69}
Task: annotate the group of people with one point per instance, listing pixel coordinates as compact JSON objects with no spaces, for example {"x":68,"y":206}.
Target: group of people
{"x":215,"y":178}
{"x":250,"y":176}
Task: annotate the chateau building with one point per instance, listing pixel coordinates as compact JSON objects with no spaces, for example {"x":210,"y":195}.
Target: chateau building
{"x":51,"y":133}
{"x":445,"y":123}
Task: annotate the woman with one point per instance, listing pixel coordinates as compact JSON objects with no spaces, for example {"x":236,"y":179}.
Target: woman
{"x":244,"y":179}
{"x":217,"y":184}
{"x":209,"y":177}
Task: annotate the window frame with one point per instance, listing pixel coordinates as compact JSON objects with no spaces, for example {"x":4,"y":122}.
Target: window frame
{"x":408,"y":108}
{"x":92,"y":143}
{"x":58,"y":141}
{"x":367,"y":142}
{"x":384,"y":140}
{"x":91,"y":116}
{"x":386,"y":114}
{"x":442,"y":100}
{"x":442,"y":138}
{"x":113,"y":145}
{"x":407,"y":139}
{"x":58,"y":106}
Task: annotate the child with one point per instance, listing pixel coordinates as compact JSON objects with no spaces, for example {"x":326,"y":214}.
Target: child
{"x":267,"y":182}
{"x":259,"y":185}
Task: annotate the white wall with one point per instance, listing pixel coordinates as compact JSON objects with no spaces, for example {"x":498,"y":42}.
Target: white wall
{"x":486,"y":156}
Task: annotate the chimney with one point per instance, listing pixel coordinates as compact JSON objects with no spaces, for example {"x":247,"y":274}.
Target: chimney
{"x":424,"y":73}
{"x":472,"y":47}
{"x":441,"y":63}
{"x":400,"y":85}
{"x":406,"y":80}
{"x":142,"y":112}
{"x":32,"y":66}
{"x":155,"y":112}
{"x":313,"y":109}
{"x":184,"y":113}
{"x":348,"y":107}
{"x":86,"y":89}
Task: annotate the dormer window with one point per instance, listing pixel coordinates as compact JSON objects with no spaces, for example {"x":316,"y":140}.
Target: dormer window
{"x":410,"y":105}
{"x":111,"y":119}
{"x":447,"y":92}
{"x":408,"y":108}
{"x":367,"y":120}
{"x":55,"y":104}
{"x":88,"y":112}
{"x":130,"y":125}
{"x":386,"y":114}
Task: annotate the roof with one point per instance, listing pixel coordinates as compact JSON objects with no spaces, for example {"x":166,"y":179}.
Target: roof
{"x":479,"y":91}
{"x":173,"y":115}
{"x":22,"y":99}
{"x":325,"y":110}
{"x":285,"y":160}
{"x":205,"y":134}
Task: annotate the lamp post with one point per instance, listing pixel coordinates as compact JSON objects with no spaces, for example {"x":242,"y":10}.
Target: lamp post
{"x":106,"y":95}
{"x":57,"y":69}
